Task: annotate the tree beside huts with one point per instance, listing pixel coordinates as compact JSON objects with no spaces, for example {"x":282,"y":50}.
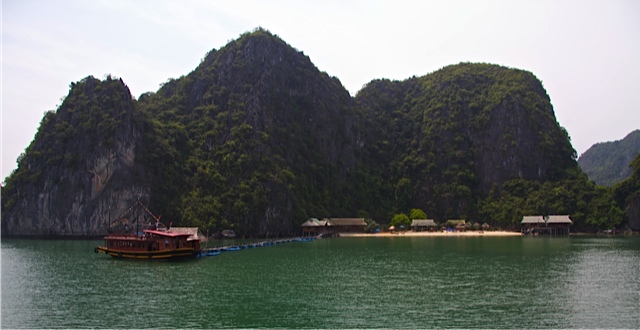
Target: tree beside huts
{"x":457,"y":225}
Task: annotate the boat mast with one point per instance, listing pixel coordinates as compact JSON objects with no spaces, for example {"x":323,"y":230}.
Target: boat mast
{"x":137,"y":216}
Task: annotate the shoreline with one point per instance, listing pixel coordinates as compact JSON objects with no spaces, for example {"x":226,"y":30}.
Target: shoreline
{"x":436,"y":234}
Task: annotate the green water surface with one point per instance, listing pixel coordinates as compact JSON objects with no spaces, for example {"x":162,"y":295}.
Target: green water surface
{"x":398,"y":282}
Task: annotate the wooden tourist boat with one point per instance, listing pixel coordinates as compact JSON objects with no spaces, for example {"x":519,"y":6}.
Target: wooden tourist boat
{"x":153,"y":242}
{"x":152,"y":245}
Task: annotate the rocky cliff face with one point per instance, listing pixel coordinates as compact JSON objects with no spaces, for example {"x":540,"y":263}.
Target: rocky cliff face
{"x":80,"y":170}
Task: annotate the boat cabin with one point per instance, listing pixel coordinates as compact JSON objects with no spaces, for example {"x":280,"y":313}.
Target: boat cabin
{"x":152,"y":240}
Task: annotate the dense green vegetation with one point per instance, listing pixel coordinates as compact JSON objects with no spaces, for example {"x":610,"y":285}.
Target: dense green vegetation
{"x":608,"y":163}
{"x":260,"y":138}
{"x":477,"y":142}
{"x":257,"y":139}
{"x":627,"y":195}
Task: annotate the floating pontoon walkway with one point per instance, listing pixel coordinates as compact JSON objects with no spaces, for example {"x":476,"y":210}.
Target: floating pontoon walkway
{"x":209,"y":252}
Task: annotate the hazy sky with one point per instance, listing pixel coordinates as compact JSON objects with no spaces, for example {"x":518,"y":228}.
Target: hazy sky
{"x":586,"y":53}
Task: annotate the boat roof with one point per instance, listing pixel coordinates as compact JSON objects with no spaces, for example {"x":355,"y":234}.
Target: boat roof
{"x":194,"y":233}
{"x":166,"y":233}
{"x":122,"y":237}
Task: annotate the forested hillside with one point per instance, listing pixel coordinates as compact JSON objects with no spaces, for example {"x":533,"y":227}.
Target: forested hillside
{"x":257,"y":139}
{"x":608,"y":163}
{"x":262,"y":139}
{"x":627,"y":194}
{"x":451,"y":136}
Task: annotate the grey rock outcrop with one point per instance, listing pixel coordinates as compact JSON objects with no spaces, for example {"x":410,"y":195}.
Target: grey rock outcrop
{"x":79,"y":173}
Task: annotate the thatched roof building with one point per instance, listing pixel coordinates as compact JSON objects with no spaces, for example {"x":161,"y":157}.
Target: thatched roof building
{"x":347,"y":225}
{"x":559,"y":219}
{"x":423,"y":224}
{"x":314,"y":226}
{"x":532,"y":220}
{"x":550,"y":224}
{"x":340,"y":225}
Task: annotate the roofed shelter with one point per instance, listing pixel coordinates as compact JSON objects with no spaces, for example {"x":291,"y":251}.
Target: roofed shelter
{"x":550,"y":224}
{"x":314,"y":227}
{"x":530,"y":223}
{"x":423,"y":224}
{"x":348,"y":225}
{"x":559,"y":224}
{"x":194,"y":233}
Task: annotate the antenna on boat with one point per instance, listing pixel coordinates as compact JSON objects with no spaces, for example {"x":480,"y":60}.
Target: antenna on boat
{"x":109,"y":213}
{"x":137,"y":216}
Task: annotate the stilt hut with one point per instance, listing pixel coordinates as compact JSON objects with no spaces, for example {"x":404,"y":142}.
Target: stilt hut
{"x":559,"y":224}
{"x":347,"y":225}
{"x":530,"y":223}
{"x":550,"y":224}
{"x":313,"y":227}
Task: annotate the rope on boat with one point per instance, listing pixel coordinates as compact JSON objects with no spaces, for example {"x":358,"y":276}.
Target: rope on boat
{"x":138,"y":202}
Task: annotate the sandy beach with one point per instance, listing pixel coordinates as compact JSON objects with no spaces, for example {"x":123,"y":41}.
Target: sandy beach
{"x":434,"y":234}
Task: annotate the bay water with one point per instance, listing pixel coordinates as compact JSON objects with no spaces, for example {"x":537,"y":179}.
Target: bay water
{"x":372,"y":282}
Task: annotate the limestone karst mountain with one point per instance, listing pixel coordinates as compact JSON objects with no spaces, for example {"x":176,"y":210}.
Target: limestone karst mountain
{"x":257,"y":139}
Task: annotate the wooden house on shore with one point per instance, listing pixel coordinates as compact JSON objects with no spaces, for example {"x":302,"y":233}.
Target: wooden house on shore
{"x":550,"y":224}
{"x":314,"y":227}
{"x":423,"y":225}
{"x":348,"y":225}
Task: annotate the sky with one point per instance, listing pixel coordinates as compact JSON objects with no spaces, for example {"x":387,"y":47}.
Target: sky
{"x":586,"y":53}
